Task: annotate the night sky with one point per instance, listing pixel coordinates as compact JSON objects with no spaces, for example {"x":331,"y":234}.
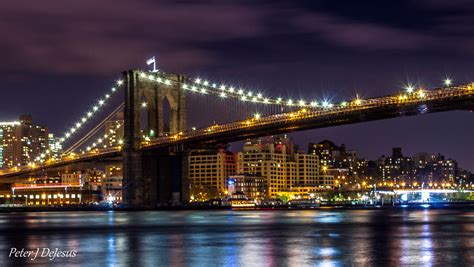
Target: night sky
{"x":58,"y":57}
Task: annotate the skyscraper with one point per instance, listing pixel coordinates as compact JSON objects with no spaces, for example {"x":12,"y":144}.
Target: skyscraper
{"x":21,"y":142}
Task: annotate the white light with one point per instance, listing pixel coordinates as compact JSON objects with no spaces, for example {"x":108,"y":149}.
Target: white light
{"x":114,"y":89}
{"x":214,"y":85}
{"x":222,"y":95}
{"x":447,"y":82}
{"x":89,"y":114}
{"x":410,"y":88}
{"x":257,"y":116}
{"x":142,"y":74}
{"x":150,"y":77}
{"x":240,"y":92}
{"x":290,"y":102}
{"x":203,"y":90}
{"x":244,"y":98}
{"x":325,"y":103}
{"x":314,"y":104}
{"x":185,"y":86}
{"x":198,"y":80}
{"x":249,"y":93}
{"x":107,"y":96}
{"x":159,"y":80}
{"x":278,"y":100}
{"x":78,"y":125}
{"x":144,"y":104}
{"x":259,"y":95}
{"x":167,"y":82}
{"x":84,"y":119}
{"x":231,"y":89}
{"x":266,"y":100}
{"x":194,"y":88}
{"x":222,"y":87}
{"x":344,"y":104}
{"x":101,"y":102}
{"x":67,"y":135}
{"x":254,"y":99}
{"x":301,"y":103}
{"x":119,"y":82}
{"x":206,"y":83}
{"x":88,"y":148}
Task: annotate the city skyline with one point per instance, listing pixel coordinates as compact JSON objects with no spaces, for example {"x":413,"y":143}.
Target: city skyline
{"x":307,"y":50}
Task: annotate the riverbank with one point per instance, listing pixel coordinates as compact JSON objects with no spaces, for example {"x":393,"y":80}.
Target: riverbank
{"x":330,"y":206}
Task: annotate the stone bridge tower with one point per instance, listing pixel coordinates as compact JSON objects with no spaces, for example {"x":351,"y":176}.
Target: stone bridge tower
{"x":141,"y":183}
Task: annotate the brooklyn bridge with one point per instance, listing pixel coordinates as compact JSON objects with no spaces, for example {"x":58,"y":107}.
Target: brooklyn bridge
{"x":154,"y":149}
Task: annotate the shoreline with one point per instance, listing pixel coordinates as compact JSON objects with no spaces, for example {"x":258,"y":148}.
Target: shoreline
{"x":327,"y":207}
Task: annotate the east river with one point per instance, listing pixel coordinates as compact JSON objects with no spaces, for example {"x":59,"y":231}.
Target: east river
{"x":239,"y":238}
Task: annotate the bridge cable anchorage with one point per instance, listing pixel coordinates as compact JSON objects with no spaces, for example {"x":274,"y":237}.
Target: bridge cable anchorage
{"x":94,"y":131}
{"x":87,"y":117}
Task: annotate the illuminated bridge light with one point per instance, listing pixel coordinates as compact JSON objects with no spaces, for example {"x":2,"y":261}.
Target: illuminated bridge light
{"x":119,"y":82}
{"x":222,"y":87}
{"x":144,"y":104}
{"x":203,"y":91}
{"x":358,"y":101}
{"x":278,"y":101}
{"x":185,"y":86}
{"x":240,"y":92}
{"x":223,"y":95}
{"x":301,"y":103}
{"x":344,"y":104}
{"x":206,"y":83}
{"x":447,"y":81}
{"x":409,"y":88}
{"x":257,"y":116}
{"x":290,"y":102}
{"x":325,"y":104}
{"x":197,"y":80}
{"x":231,"y":89}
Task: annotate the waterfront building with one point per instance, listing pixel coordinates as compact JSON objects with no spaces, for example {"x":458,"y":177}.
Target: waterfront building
{"x":22,"y":142}
{"x":111,"y":184}
{"x":275,"y":159}
{"x":253,"y":186}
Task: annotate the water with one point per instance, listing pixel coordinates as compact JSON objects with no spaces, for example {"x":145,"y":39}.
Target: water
{"x":243,"y":238}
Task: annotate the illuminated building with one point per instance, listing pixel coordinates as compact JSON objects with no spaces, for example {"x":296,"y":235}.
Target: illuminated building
{"x":276,"y":160}
{"x":208,"y":171}
{"x":51,"y":194}
{"x":114,"y":130}
{"x":252,"y":186}
{"x":112,"y":183}
{"x":54,"y":146}
{"x":22,"y":142}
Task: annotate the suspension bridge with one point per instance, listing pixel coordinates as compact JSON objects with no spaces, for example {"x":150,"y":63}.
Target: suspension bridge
{"x":153,"y":152}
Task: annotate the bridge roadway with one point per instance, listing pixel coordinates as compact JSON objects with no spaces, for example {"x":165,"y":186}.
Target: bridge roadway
{"x":404,"y":104}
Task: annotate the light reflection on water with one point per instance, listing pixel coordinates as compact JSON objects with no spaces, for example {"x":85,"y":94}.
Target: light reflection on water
{"x":236,"y":238}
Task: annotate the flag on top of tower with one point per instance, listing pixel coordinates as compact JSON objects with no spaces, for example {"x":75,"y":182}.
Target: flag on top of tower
{"x":152,"y":61}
